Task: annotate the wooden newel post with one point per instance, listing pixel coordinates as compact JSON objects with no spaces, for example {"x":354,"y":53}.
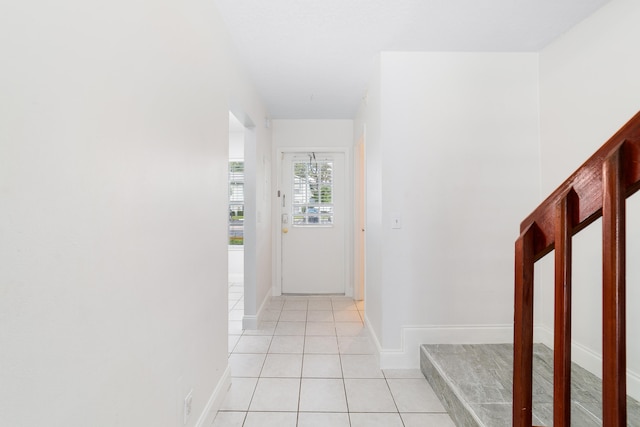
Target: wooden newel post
{"x":614,"y":385}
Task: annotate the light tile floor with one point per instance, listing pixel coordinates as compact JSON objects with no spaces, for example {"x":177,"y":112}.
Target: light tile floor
{"x":311,"y":363}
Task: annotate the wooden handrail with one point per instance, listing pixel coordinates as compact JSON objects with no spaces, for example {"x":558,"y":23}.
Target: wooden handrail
{"x":599,"y":188}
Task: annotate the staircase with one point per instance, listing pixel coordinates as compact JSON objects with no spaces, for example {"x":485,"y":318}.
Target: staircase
{"x":525,"y":384}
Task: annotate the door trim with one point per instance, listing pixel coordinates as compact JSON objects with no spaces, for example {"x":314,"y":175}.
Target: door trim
{"x":277,"y":202}
{"x":359,"y":217}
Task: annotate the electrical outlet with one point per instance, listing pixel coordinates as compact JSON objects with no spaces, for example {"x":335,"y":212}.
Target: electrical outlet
{"x":186,"y":410}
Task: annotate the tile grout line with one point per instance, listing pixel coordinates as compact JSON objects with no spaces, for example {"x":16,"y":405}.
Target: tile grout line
{"x":393,"y":398}
{"x":257,"y":382}
{"x":344,"y":386}
{"x":340,"y":354}
{"x":301,"y":370}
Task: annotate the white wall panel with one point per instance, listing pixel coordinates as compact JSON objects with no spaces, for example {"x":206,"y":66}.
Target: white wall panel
{"x":459,"y":164}
{"x":589,"y":88}
{"x":113,"y":211}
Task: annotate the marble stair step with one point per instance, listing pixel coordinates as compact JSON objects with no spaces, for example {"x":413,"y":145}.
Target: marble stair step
{"x":474,"y":383}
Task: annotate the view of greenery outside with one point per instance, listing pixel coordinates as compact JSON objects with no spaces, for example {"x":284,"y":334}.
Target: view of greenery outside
{"x":236,"y":203}
{"x":313,"y":192}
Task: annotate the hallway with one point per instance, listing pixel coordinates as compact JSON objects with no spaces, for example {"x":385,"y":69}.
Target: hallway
{"x":312,"y":363}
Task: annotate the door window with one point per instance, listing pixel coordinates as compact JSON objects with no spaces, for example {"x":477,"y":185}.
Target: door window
{"x":312,"y":192}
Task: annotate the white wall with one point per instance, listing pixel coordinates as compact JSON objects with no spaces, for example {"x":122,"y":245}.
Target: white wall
{"x":264,"y":237}
{"x":236,"y":264}
{"x":236,"y":145}
{"x":310,"y":134}
{"x":113,"y":195}
{"x":589,"y":88}
{"x":457,"y":159}
{"x":257,"y":227}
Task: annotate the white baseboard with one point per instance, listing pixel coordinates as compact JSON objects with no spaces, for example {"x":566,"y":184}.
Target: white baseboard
{"x":249,"y":322}
{"x":412,"y":337}
{"x":252,"y":321}
{"x":581,"y":355}
{"x":633,"y":384}
{"x":215,"y":401}
{"x":588,"y":359}
{"x":372,"y":335}
{"x":543,"y":335}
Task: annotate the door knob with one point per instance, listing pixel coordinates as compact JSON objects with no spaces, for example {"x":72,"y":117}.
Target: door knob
{"x":285,"y":230}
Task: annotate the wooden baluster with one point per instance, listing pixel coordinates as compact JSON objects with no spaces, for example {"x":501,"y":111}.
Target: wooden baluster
{"x":562,"y":320}
{"x":523,"y":329}
{"x":613,"y":298}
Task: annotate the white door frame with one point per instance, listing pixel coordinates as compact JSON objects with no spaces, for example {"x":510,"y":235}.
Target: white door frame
{"x":360,"y":216}
{"x":277,"y":203}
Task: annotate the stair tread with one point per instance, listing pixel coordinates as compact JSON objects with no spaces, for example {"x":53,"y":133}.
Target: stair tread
{"x":474,"y":382}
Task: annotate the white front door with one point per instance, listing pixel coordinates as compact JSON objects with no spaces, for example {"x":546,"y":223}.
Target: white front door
{"x":313,"y":217}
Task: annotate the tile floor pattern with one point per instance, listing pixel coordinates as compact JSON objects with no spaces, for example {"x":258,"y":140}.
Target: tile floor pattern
{"x":311,"y":363}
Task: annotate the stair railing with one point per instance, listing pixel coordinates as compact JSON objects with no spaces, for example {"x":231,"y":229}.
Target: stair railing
{"x":599,"y":188}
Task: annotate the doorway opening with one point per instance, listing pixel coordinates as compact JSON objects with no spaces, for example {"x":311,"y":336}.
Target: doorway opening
{"x":359,"y":232}
{"x":236,"y":232}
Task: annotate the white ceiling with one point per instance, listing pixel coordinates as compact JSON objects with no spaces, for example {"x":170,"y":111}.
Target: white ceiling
{"x":313,"y":58}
